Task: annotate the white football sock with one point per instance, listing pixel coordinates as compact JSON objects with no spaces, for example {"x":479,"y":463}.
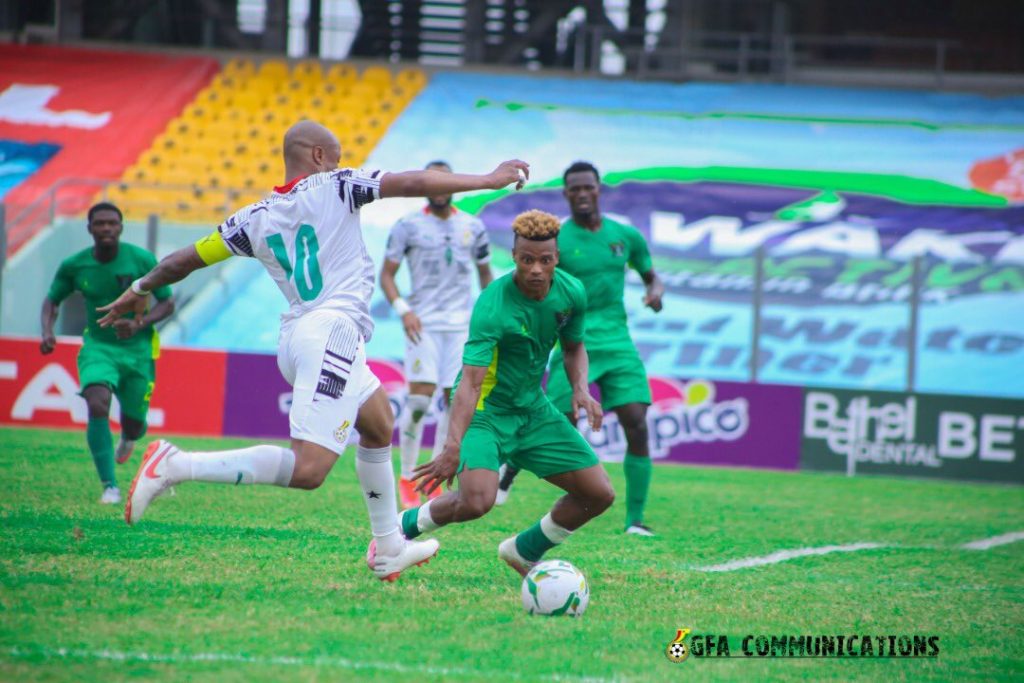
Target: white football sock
{"x":554,"y":532}
{"x":441,"y":435}
{"x":264,"y":464}
{"x":424,"y":522}
{"x":410,"y":432}
{"x":377,"y":480}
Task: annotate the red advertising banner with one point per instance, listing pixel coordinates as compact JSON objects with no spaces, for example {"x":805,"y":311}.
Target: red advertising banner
{"x":102,"y":107}
{"x":38,"y":390}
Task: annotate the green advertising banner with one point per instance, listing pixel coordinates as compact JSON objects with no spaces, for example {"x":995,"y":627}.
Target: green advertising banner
{"x":918,"y":435}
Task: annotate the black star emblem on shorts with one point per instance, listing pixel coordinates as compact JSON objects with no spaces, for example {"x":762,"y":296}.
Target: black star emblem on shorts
{"x":372,"y":494}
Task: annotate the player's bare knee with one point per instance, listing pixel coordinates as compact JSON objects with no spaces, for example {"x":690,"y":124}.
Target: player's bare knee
{"x":307,"y":478}
{"x":601,"y":499}
{"x":636,"y":430}
{"x":310,"y":471}
{"x":97,"y":400}
{"x":97,"y":409}
{"x":377,"y":434}
{"x":476,"y":504}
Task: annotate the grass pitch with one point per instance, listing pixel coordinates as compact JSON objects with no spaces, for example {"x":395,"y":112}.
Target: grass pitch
{"x":264,"y":584}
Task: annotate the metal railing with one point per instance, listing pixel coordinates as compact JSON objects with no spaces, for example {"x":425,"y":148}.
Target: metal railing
{"x":737,"y":55}
{"x":72,"y":196}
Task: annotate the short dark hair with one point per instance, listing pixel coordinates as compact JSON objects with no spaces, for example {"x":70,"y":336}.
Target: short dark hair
{"x":579,"y":167}
{"x":439,"y":162}
{"x":105,"y":206}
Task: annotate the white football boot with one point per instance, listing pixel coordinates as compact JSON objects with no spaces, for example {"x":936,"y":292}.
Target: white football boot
{"x":639,"y":530}
{"x":151,"y":481}
{"x":413,"y":554}
{"x":507,"y":551}
{"x":111,"y":496}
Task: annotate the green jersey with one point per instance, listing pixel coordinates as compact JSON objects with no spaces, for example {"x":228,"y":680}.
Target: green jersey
{"x":599,"y":259}
{"x":512,"y":336}
{"x":100,"y":284}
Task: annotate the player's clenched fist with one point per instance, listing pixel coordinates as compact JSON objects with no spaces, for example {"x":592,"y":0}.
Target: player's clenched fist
{"x":508,"y":172}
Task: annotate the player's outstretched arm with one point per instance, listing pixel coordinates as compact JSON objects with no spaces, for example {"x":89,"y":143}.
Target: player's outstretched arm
{"x":444,"y":467}
{"x":173,"y":268}
{"x":427,"y":183}
{"x":577,"y":368}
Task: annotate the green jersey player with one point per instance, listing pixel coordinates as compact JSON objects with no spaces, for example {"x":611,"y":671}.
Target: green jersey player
{"x":499,"y":413}
{"x":116,"y":360}
{"x":598,"y":250}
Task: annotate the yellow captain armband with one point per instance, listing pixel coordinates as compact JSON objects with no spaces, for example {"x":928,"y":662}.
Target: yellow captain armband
{"x":211,"y":249}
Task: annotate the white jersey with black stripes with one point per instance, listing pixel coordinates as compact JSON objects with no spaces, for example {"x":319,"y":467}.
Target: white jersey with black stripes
{"x":441,"y":255}
{"x":308,"y":237}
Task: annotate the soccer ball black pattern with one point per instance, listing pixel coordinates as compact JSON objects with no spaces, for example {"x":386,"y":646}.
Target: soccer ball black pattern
{"x":676,"y":652}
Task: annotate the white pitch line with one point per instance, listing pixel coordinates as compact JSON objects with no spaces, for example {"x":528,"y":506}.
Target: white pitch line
{"x":786,"y":555}
{"x":1002,"y":539}
{"x":336,"y":662}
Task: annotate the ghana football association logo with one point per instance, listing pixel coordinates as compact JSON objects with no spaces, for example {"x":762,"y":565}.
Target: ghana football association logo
{"x":341,"y":433}
{"x":677,"y":650}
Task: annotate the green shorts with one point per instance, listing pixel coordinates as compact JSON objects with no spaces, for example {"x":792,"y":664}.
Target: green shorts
{"x":129,"y":374}
{"x":540,"y":441}
{"x":619,"y":374}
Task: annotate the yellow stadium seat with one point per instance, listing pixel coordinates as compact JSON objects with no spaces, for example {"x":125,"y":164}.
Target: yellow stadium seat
{"x":239,"y":67}
{"x":273,"y":69}
{"x":411,"y":77}
{"x":224,"y":149}
{"x":341,"y":73}
{"x":377,"y":74}
{"x":307,"y":70}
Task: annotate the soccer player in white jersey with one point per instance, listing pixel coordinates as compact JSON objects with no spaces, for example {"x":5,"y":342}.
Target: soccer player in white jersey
{"x":441,"y":244}
{"x":307,"y":235}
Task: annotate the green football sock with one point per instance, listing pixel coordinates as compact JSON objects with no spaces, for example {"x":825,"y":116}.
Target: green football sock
{"x":533,"y":543}
{"x":101,"y":445}
{"x":409,"y":527}
{"x":638,"y":481}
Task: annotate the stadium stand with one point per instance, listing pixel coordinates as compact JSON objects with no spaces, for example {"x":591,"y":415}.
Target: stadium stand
{"x":224,"y":149}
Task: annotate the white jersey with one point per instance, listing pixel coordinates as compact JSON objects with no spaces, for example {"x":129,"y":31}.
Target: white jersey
{"x":441,"y":254}
{"x":307,"y":235}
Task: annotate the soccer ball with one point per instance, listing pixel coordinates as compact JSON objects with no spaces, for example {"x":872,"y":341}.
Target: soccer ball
{"x":555,"y":588}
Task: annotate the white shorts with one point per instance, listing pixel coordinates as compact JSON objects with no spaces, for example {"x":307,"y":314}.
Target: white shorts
{"x":323,"y":357}
{"x":437,"y":359}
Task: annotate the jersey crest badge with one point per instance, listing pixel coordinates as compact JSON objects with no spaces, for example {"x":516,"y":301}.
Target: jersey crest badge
{"x":618,"y":248}
{"x":562,"y":318}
